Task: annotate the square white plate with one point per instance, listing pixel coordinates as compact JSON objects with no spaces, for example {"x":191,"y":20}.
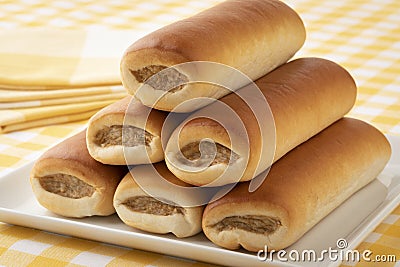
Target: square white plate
{"x":352,"y":221}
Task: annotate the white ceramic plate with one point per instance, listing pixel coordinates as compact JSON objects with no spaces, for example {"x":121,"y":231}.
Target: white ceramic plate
{"x":352,"y":221}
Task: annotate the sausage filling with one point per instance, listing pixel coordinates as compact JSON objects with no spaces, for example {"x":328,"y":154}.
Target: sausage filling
{"x":150,"y":205}
{"x":117,"y":134}
{"x":250,"y":223}
{"x":192,"y":153}
{"x":167,"y":80}
{"x":66,"y":185}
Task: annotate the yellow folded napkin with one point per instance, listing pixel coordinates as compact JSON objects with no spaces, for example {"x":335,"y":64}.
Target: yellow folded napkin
{"x":11,"y":120}
{"x":61,"y":101}
{"x":48,"y":58}
{"x":50,"y":75}
{"x":47,"y":121}
{"x":7,"y":95}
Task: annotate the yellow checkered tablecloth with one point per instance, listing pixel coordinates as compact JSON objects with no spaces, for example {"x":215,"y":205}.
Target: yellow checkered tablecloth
{"x":361,"y":35}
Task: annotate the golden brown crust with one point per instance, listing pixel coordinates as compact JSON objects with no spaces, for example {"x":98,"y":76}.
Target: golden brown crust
{"x":238,"y":19}
{"x":303,"y":186}
{"x":153,"y":123}
{"x":71,"y":157}
{"x":201,"y":129}
{"x":118,"y":107}
{"x":269,"y":33}
{"x":73,"y":152}
{"x":305,"y":96}
{"x":161,"y":169}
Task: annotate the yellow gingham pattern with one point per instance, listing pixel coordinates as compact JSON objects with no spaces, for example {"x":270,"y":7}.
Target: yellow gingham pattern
{"x":67,"y":46}
{"x":363,"y":36}
{"x":47,"y":58}
{"x":28,"y":109}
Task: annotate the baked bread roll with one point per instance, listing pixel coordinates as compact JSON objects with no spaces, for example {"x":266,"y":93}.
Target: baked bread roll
{"x":300,"y":189}
{"x":161,"y":214}
{"x":253,"y":36}
{"x":113,"y":138}
{"x":68,"y":181}
{"x":304,"y":96}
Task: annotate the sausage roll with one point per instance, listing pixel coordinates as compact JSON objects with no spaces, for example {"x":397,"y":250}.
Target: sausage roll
{"x":126,"y":132}
{"x":252,"y":36}
{"x":68,"y":181}
{"x":300,"y":189}
{"x":162,"y":213}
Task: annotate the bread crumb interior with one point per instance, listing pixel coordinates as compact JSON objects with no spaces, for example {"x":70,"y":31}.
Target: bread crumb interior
{"x":150,"y":205}
{"x":169,"y":79}
{"x":66,"y":185}
{"x":251,"y":223}
{"x":126,"y":135}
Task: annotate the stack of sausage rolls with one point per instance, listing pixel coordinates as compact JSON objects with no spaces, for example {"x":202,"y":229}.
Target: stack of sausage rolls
{"x":286,"y":168}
